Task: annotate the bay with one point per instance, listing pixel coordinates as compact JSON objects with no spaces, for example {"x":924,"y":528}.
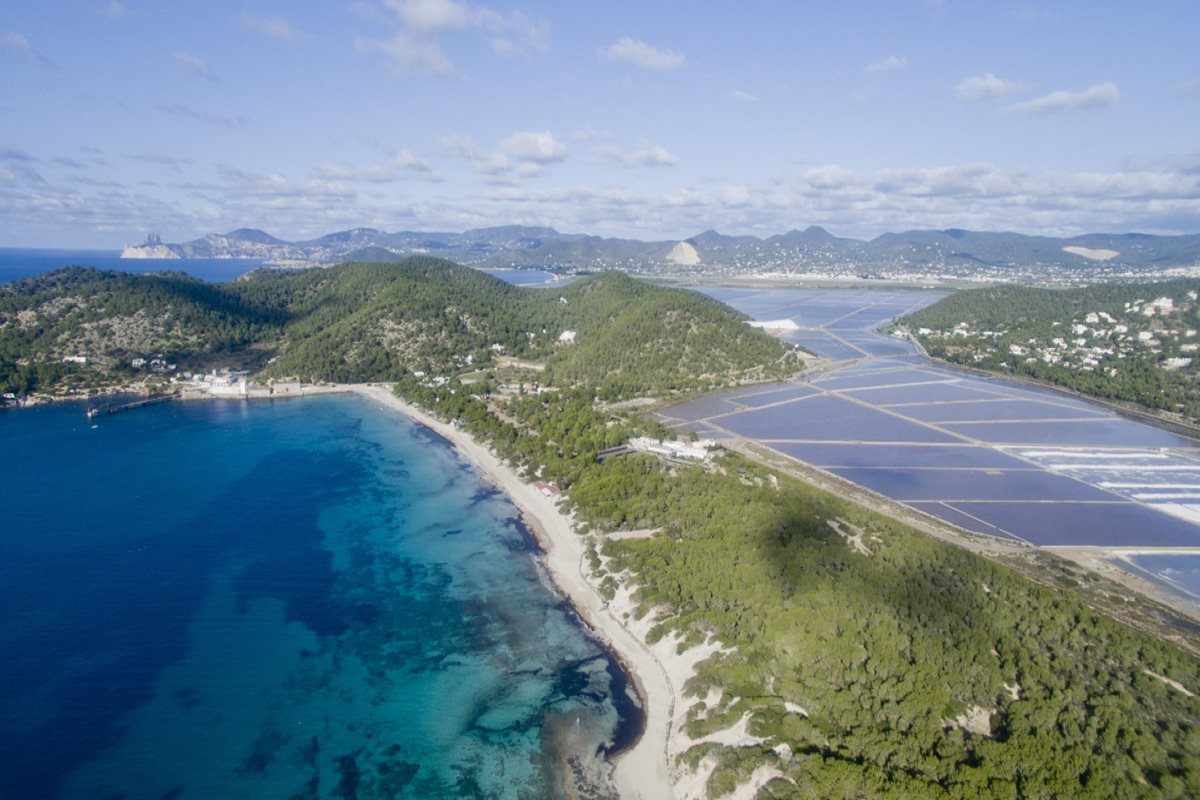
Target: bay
{"x":303,"y":598}
{"x":17,"y":263}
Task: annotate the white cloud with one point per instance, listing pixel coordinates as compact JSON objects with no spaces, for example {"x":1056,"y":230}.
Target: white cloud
{"x":1190,"y":87}
{"x":735,"y":196}
{"x":889,"y":64}
{"x":524,"y":154}
{"x":415,"y":49}
{"x":986,"y":87}
{"x":535,"y":146}
{"x":640,"y":54}
{"x":512,"y":33}
{"x":406,"y":54}
{"x":743,"y":97}
{"x":975,"y":180}
{"x":404,"y":164}
{"x":194,"y":64}
{"x":18,"y":45}
{"x":1101,"y":95}
{"x":431,"y":15}
{"x":646,"y":155}
{"x":456,"y":145}
{"x":273,"y":27}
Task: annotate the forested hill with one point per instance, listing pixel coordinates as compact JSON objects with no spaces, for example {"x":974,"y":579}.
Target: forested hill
{"x":1138,"y":343}
{"x":360,"y":322}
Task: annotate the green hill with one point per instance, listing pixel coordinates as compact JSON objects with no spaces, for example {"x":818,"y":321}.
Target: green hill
{"x":368,"y":322}
{"x":1137,"y":343}
{"x":108,"y":318}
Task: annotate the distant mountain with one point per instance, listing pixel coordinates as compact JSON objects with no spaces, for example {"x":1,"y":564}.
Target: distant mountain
{"x":912,"y":254}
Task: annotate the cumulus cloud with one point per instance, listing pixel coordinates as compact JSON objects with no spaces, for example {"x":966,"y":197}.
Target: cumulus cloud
{"x":431,"y":15}
{"x":640,"y":54}
{"x":973,"y":180}
{"x":18,"y":45}
{"x":539,"y":147}
{"x":404,"y":165}
{"x":524,"y":154}
{"x":221,"y":120}
{"x":194,"y":65}
{"x":1101,"y":95}
{"x":986,"y":87}
{"x":273,"y":27}
{"x":646,"y":155}
{"x":415,"y":48}
{"x":889,"y":64}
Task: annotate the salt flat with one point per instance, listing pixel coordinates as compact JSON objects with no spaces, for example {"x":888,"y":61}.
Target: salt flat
{"x":985,"y":454}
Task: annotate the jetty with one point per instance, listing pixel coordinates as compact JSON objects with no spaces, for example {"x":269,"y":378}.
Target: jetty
{"x":96,"y":411}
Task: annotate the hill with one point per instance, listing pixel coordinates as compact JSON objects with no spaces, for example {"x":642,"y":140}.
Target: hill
{"x":917,"y":254}
{"x":365,"y":322}
{"x":77,"y":327}
{"x":1136,"y":343}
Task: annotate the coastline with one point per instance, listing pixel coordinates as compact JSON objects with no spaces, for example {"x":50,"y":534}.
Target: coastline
{"x":642,"y":771}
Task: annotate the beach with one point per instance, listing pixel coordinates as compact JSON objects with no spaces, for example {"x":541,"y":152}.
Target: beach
{"x":642,"y":771}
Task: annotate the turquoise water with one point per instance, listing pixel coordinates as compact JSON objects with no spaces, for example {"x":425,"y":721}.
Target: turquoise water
{"x":302,"y":598}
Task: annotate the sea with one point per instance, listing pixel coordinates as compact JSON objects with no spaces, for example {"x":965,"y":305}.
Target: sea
{"x":303,"y":598}
{"x":17,"y":263}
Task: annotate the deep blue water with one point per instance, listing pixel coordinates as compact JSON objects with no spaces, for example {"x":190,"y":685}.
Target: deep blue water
{"x":302,"y":598}
{"x":16,"y":263}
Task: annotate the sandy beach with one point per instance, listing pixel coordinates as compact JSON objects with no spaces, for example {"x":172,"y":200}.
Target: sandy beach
{"x":643,"y":771}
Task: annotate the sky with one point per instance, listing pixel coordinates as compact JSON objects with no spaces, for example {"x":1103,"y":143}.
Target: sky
{"x":650,"y":120}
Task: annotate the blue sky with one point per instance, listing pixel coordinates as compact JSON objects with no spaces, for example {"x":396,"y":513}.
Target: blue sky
{"x":643,"y":119}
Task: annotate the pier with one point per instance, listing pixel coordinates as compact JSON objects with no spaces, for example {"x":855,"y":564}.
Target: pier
{"x":96,"y":411}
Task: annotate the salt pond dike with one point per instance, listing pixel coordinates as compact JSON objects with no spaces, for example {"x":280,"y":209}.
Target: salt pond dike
{"x":371,"y":322}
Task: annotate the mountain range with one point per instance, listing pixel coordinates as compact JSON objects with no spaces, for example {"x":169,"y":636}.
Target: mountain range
{"x":798,"y":251}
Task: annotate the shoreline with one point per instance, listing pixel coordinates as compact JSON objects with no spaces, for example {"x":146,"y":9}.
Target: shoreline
{"x":642,"y":771}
